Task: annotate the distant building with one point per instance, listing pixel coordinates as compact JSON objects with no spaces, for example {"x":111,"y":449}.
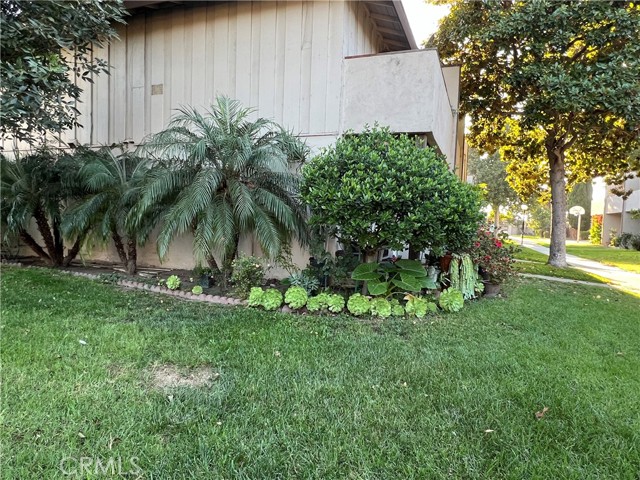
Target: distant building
{"x":616,"y":211}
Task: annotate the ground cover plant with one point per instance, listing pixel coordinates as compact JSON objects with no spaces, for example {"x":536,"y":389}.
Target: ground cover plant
{"x":91,"y":370}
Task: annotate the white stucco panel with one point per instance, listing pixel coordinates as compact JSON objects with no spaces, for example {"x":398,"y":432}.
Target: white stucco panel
{"x":405,"y":91}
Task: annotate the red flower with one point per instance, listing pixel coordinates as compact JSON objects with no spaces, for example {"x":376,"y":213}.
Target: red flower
{"x":498,"y":243}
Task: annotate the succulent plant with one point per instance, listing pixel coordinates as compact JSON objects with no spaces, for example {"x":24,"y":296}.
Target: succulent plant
{"x":397,"y":310}
{"x":256,"y":294}
{"x":197,"y":290}
{"x":418,"y":306}
{"x":358,"y":304}
{"x":272,"y":299}
{"x":313,"y":304}
{"x":335,"y":303}
{"x":173,"y":282}
{"x":380,"y":307}
{"x":451,"y":300}
{"x":296,"y":297}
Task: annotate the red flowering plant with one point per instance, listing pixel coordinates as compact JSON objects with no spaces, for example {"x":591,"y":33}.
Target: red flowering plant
{"x":493,"y":254}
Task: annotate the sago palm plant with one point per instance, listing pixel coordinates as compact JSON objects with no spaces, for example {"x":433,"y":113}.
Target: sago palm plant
{"x":112,"y":181}
{"x":225,"y":175}
{"x":38,"y":187}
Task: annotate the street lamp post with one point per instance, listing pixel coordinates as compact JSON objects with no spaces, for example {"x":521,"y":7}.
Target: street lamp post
{"x":524,"y":216}
{"x":577,"y":211}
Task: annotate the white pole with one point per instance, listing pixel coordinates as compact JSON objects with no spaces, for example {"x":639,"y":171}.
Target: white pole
{"x":579,"y":218}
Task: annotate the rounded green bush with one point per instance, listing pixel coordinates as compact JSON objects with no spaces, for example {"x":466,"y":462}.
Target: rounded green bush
{"x":335,"y":303}
{"x":451,"y":300}
{"x":323,"y":299}
{"x":256,"y":295}
{"x":380,"y":307}
{"x":358,"y":304}
{"x":397,"y":310}
{"x":419,"y":307}
{"x":197,"y":290}
{"x":313,"y":304}
{"x":272,"y":299}
{"x":173,"y":282}
{"x":296,"y":297}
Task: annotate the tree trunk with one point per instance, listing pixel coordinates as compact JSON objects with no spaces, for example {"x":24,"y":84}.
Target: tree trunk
{"x":370,"y":256}
{"x":33,"y":245}
{"x":496,"y":215}
{"x":227,"y":269}
{"x":73,"y":252}
{"x":132,"y":257}
{"x":414,"y":253}
{"x":211,"y":262}
{"x":558,"y":248}
{"x":55,"y":256}
{"x":58,"y":242}
{"x":117,"y":241}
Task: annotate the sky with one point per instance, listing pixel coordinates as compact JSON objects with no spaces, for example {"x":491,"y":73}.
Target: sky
{"x":423,"y":18}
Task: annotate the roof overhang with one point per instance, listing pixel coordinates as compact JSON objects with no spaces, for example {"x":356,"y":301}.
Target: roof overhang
{"x":390,"y":20}
{"x":388,"y":17}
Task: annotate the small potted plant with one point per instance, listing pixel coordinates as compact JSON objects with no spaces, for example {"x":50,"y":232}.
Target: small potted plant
{"x":494,"y":257}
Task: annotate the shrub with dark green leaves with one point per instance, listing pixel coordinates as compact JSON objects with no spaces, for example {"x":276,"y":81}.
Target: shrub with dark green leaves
{"x":358,"y":304}
{"x":451,"y":300}
{"x":295,"y":297}
{"x":383,"y":189}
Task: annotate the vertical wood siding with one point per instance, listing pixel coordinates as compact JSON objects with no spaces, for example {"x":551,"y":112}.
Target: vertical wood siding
{"x":282,"y":58}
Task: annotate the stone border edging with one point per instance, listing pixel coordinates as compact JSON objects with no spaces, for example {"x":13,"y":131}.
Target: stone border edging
{"x":219,"y":300}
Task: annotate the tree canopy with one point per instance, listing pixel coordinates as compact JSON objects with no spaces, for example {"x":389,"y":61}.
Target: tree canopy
{"x":555,"y":85}
{"x":45,"y":46}
{"x":490,"y":174}
{"x":384,"y":190}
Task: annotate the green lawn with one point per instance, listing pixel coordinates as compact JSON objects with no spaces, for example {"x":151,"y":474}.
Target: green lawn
{"x":454,"y":396}
{"x":618,"y":257}
{"x":535,"y":263}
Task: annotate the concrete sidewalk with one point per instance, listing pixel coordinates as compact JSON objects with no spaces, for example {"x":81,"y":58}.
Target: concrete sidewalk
{"x":622,"y":279}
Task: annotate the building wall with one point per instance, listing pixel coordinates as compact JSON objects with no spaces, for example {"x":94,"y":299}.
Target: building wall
{"x":285,"y":59}
{"x":403,"y":90}
{"x":282,"y":58}
{"x":616,"y":211}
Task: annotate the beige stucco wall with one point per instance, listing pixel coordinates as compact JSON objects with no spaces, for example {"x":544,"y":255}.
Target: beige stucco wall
{"x":405,"y":91}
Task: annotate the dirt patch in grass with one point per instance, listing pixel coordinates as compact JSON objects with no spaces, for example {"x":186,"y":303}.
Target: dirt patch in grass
{"x":167,"y":376}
